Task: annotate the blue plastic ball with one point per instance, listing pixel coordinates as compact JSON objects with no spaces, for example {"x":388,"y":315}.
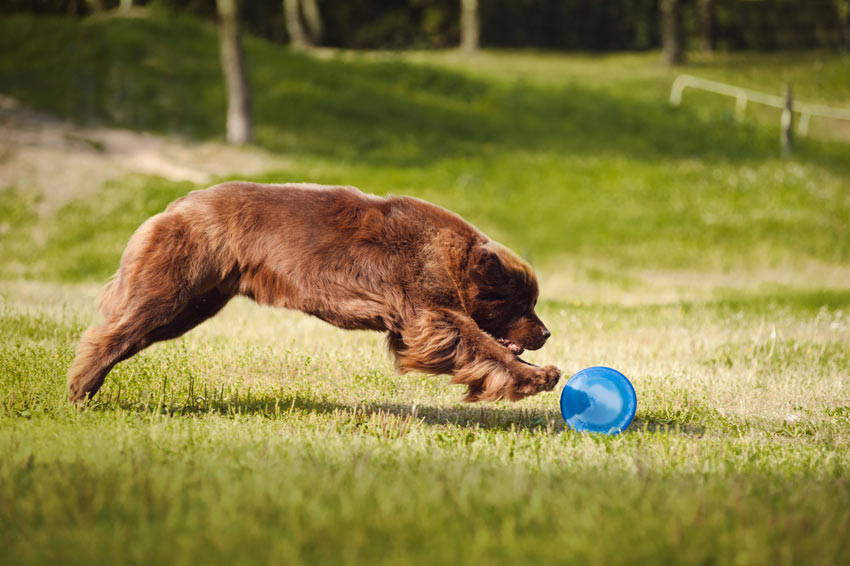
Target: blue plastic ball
{"x":598,"y":399}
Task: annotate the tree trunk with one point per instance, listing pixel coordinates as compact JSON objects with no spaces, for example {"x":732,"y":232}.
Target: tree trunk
{"x":233,"y":66}
{"x":671,"y":31}
{"x":842,"y":10}
{"x":95,"y":5}
{"x":706,"y":26}
{"x":297,"y":37}
{"x":469,"y":26}
{"x":314,"y":20}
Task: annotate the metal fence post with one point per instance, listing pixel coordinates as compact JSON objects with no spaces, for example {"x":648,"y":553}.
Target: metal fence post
{"x":740,"y":105}
{"x":787,"y":121}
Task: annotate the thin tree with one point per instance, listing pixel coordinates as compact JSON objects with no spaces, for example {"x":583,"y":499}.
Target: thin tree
{"x":470,"y":26}
{"x":706,"y":25}
{"x":842,"y":11}
{"x":298,"y":36}
{"x":671,"y":31}
{"x":313,"y":17}
{"x":233,"y":67}
{"x":292,"y":13}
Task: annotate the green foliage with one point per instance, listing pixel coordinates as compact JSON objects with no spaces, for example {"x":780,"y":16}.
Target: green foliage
{"x":571,"y":24}
{"x":778,"y":24}
{"x":113,"y":70}
{"x":613,"y":25}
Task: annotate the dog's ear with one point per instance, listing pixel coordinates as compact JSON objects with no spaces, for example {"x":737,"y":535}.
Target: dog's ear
{"x":486,"y":267}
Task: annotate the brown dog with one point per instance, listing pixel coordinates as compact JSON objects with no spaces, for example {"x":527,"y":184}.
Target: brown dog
{"x":451,"y":300}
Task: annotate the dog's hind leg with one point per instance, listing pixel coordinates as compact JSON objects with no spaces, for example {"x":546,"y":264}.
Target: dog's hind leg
{"x":103,"y":346}
{"x":196,"y":311}
{"x":165,"y":287}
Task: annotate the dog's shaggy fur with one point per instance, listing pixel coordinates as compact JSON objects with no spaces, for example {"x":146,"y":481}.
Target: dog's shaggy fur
{"x":451,"y":300}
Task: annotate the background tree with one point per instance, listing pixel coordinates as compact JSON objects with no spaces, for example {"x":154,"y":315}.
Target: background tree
{"x":233,"y":66}
{"x":842,"y":10}
{"x":706,"y":25}
{"x":292,"y":14}
{"x":469,"y":26}
{"x":671,"y":31}
{"x":293,"y":10}
{"x":310,"y":10}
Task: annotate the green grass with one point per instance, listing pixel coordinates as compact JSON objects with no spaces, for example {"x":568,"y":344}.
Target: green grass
{"x":558,"y":156}
{"x":265,"y":436}
{"x":674,"y":245}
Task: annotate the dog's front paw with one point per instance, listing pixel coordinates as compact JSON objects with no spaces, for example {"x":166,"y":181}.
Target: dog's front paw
{"x":548,"y":377}
{"x":534,"y":380}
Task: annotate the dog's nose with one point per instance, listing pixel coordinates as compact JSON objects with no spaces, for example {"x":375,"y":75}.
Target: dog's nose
{"x":546,"y":333}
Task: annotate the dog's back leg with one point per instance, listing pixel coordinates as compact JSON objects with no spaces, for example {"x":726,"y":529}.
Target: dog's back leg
{"x":101,"y":347}
{"x":104,"y":345}
{"x":165,"y":287}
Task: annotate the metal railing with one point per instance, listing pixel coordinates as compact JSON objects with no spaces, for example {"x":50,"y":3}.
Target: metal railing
{"x":744,"y":95}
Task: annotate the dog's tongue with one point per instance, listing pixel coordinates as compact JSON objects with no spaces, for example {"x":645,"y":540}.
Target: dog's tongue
{"x":512,"y":346}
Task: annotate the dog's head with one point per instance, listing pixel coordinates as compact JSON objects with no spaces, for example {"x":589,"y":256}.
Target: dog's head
{"x":502,"y":298}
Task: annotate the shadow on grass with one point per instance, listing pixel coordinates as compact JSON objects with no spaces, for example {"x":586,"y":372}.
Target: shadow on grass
{"x":384,"y":416}
{"x":485,"y":416}
{"x":265,"y":405}
{"x":651,"y":424}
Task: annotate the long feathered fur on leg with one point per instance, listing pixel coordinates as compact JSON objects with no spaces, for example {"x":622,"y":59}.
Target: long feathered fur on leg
{"x":451,"y":343}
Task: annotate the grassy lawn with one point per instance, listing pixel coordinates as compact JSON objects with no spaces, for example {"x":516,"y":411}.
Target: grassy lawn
{"x":567,"y":159}
{"x":674,"y":245}
{"x":266,"y":436}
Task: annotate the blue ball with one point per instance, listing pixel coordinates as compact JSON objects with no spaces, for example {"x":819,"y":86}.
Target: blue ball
{"x":598,"y":399}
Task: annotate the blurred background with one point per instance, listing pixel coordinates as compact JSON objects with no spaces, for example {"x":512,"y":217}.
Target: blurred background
{"x":547,"y":123}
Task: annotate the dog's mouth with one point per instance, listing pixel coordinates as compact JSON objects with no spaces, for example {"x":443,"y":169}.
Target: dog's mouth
{"x":512,"y":346}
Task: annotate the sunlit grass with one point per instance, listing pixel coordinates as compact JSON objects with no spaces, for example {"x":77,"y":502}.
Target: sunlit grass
{"x":267,"y":435}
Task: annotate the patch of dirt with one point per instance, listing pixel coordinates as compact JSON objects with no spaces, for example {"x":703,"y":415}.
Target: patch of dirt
{"x":63,"y":161}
